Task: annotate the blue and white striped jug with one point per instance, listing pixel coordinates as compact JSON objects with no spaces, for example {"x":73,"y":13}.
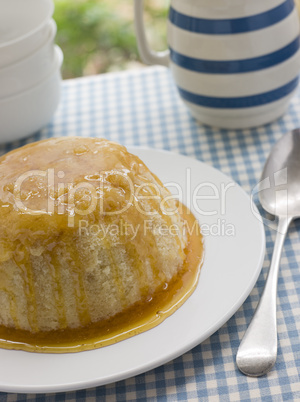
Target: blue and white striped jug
{"x":235,"y":62}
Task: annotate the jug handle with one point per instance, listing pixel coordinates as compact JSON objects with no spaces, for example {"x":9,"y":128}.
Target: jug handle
{"x":147,"y":55}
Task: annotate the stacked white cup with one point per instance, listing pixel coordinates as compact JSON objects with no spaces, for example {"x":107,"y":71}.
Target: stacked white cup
{"x":30,"y":62}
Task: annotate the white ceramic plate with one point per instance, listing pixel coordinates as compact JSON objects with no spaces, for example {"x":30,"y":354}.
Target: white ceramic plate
{"x":231,"y":267}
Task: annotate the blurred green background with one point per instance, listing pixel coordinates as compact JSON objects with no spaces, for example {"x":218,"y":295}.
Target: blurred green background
{"x":97,"y":36}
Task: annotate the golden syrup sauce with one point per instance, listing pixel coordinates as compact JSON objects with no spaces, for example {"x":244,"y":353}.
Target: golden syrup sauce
{"x":139,"y":318}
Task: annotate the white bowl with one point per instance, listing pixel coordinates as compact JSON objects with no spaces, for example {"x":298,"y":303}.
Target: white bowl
{"x":31,"y":110}
{"x":28,"y":72}
{"x":23,"y":27}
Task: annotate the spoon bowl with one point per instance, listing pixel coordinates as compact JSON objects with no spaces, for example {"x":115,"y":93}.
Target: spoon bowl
{"x":281,"y":175}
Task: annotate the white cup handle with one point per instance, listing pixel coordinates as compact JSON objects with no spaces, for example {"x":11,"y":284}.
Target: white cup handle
{"x":148,"y":56}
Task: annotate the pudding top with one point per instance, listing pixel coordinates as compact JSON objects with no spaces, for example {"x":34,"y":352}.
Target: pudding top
{"x":48,"y":186}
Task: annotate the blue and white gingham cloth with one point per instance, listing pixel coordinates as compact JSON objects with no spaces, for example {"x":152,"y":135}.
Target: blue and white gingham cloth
{"x":143,"y":108}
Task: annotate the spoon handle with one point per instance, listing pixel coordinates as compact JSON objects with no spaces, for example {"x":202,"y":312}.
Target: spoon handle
{"x":258,"y":349}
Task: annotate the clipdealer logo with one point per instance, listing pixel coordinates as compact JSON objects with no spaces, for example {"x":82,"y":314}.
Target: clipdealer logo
{"x":206,"y":199}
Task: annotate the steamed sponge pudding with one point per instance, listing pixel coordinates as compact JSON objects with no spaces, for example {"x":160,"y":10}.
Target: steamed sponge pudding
{"x":86,"y":233}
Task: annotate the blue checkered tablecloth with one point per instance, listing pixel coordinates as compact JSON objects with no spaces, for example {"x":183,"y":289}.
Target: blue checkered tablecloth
{"x":143,"y":108}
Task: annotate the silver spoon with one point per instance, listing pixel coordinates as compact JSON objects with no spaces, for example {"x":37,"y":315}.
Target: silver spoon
{"x":279,"y":194}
